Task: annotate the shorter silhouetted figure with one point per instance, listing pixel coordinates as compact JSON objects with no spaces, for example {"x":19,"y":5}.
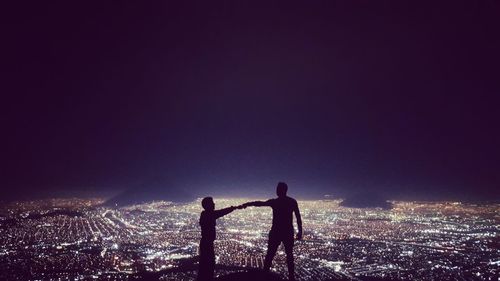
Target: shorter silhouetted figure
{"x":282,"y":229}
{"x":207,"y":222}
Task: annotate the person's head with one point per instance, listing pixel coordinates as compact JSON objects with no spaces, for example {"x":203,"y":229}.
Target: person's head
{"x":208,"y":203}
{"x":281,"y":189}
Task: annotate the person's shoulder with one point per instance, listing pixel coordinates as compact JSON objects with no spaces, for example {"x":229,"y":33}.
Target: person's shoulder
{"x":292,"y":200}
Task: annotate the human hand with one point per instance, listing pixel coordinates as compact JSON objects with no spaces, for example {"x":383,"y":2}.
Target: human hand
{"x":299,"y":235}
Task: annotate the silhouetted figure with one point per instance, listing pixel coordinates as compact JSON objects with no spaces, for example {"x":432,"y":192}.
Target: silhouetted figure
{"x":282,"y":229}
{"x":207,"y":223}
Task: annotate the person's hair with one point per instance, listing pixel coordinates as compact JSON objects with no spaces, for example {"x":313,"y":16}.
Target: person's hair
{"x":282,"y":188}
{"x":206,"y":202}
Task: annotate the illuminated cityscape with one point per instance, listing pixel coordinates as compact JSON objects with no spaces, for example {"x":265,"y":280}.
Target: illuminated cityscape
{"x":79,"y":239}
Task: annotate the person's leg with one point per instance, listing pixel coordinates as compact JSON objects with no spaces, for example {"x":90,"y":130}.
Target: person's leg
{"x":288,"y":243}
{"x":272,"y":247}
{"x":202,"y":266}
{"x":211,"y":262}
{"x":207,"y":261}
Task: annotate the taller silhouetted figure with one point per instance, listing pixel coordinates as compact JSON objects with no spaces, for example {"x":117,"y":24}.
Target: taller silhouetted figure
{"x":282,"y":229}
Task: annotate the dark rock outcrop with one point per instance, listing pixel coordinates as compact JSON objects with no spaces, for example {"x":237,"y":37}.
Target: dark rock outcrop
{"x":250,"y":275}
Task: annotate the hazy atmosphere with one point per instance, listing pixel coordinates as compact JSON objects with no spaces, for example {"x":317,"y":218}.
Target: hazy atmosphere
{"x":333,"y":98}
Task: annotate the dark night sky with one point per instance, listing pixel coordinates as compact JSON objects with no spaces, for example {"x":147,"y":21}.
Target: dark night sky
{"x":399,"y":98}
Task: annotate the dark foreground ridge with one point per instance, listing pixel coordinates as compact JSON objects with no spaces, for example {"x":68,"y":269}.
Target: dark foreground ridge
{"x":240,"y":274}
{"x":259,"y":275}
{"x":250,"y":275}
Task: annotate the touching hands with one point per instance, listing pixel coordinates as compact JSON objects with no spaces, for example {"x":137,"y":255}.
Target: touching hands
{"x":239,"y":207}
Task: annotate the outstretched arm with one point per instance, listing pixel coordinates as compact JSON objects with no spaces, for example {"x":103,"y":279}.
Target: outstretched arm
{"x":299,"y":221}
{"x":223,"y":212}
{"x":258,"y":204}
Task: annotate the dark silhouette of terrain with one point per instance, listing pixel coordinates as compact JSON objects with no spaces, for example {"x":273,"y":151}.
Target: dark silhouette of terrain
{"x":250,"y":275}
{"x":190,"y":265}
{"x":366,"y":201}
{"x":260,"y":275}
{"x":6,"y":223}
{"x":238,"y":273}
{"x":145,"y":193}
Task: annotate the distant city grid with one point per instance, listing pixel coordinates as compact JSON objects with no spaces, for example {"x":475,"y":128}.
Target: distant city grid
{"x":79,"y":239}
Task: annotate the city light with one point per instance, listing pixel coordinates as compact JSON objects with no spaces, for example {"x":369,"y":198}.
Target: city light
{"x":412,"y":241}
